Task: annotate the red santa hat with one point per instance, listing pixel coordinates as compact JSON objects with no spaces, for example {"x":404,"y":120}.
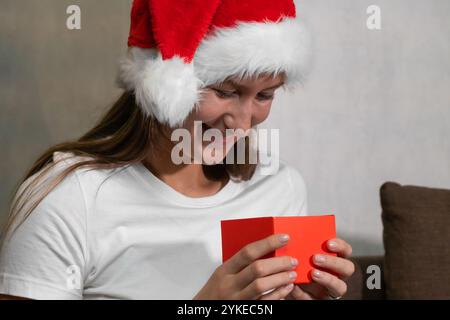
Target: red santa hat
{"x":179,"y":47}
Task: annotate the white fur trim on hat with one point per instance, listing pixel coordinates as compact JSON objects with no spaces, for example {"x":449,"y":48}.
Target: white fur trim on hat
{"x":165,"y":89}
{"x":249,"y":49}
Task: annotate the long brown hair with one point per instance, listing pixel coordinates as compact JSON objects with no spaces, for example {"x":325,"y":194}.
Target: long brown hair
{"x":123,"y":136}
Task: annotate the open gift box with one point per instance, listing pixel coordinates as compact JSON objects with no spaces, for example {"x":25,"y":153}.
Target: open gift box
{"x":308,"y":236}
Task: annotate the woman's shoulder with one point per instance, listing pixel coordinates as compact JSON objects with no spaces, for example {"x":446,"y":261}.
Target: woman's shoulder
{"x":48,"y":203}
{"x":58,"y":188}
{"x":91,"y":179}
{"x":90,"y":174}
{"x":58,"y":198}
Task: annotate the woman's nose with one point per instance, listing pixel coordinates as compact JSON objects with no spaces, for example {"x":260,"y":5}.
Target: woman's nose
{"x":242,"y":115}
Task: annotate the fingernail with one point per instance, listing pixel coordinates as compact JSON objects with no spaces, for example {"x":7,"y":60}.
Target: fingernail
{"x":317,"y":273}
{"x":289,"y":286}
{"x":284,"y":238}
{"x":292,"y":274}
{"x":319,"y":258}
{"x":294,"y":261}
{"x":332,"y":245}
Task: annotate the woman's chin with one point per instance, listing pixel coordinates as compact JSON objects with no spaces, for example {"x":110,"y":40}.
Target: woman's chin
{"x":215,"y":155}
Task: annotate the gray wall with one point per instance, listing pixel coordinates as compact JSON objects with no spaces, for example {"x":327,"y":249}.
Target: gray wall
{"x":54,"y":83}
{"x":375,"y":108}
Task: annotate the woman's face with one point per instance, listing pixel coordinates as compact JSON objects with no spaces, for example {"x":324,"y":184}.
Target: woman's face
{"x":232,"y":105}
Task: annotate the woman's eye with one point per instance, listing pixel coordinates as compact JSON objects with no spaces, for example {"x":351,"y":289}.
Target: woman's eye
{"x":264,"y":97}
{"x":224,"y":94}
{"x":230,"y":94}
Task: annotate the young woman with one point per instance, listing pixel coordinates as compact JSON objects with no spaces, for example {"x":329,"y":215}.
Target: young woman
{"x":112,"y":215}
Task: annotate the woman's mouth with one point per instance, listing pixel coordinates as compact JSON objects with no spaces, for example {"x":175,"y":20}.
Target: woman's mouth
{"x":228,"y":136}
{"x":205,"y":127}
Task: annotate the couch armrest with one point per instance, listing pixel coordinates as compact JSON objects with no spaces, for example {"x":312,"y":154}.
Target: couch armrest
{"x":357,"y":288}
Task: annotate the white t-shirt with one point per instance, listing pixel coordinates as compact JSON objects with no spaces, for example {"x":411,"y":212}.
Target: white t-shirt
{"x":124,"y":234}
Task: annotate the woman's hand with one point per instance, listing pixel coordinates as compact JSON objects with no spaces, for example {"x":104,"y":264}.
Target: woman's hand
{"x":246,"y":276}
{"x":327,"y":284}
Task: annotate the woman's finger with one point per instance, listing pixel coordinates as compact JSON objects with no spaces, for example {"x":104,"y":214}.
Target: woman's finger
{"x":342,"y":248}
{"x":299,"y":294}
{"x":278,"y":294}
{"x":264,"y":267}
{"x":261,"y":285}
{"x":334,"y":286}
{"x":343,"y":267}
{"x":254,"y":251}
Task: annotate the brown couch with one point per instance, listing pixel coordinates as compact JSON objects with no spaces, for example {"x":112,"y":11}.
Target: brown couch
{"x":416,"y":236}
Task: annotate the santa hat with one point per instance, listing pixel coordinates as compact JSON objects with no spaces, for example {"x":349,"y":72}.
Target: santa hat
{"x":178,"y":47}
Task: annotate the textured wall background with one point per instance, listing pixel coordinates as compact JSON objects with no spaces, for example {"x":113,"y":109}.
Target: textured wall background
{"x":376,"y":106}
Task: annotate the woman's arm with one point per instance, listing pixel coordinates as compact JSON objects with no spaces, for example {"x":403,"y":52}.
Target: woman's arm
{"x":37,"y":258}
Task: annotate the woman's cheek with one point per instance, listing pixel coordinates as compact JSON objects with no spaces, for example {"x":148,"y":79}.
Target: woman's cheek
{"x":212,"y":114}
{"x":262,"y":113}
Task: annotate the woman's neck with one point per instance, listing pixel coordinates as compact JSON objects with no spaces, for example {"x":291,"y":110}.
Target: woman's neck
{"x":188,"y":179}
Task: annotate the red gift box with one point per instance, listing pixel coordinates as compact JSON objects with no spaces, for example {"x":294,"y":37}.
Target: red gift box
{"x":308,"y":236}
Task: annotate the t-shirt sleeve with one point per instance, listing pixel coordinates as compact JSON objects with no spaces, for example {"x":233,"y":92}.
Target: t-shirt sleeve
{"x":299,"y":192}
{"x":45,"y":257}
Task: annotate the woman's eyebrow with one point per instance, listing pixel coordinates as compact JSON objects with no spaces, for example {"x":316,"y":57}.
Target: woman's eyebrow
{"x":237,"y":85}
{"x":276,"y":87}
